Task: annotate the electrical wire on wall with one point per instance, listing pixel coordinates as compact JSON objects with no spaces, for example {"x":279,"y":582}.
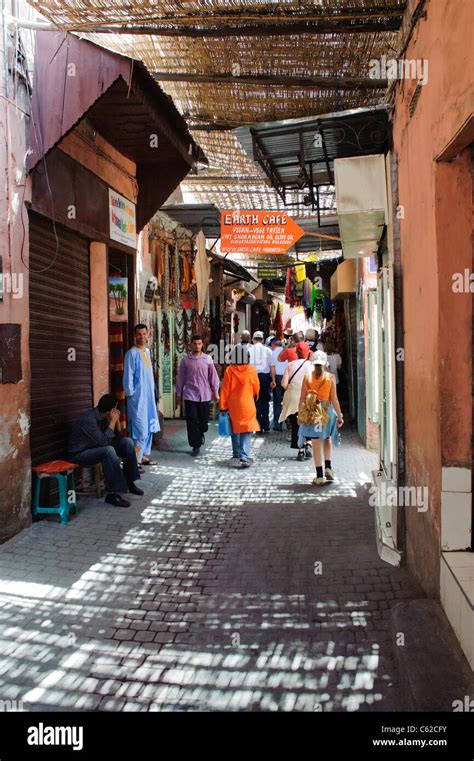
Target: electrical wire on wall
{"x":40,"y":144}
{"x":17,"y":75}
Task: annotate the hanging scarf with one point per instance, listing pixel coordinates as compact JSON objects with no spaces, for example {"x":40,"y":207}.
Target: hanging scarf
{"x":203,"y":272}
{"x":278,"y":323}
{"x":166,"y":279}
{"x":176,"y":273}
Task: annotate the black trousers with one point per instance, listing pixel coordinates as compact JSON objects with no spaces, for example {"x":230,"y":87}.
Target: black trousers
{"x":263,"y":401}
{"x":116,"y":479}
{"x":197,"y":421}
{"x":294,"y":430}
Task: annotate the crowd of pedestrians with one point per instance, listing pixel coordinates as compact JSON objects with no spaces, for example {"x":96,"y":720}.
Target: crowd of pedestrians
{"x":297,"y":374}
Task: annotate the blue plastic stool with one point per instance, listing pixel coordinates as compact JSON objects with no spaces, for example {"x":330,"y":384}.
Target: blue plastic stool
{"x":61,"y":470}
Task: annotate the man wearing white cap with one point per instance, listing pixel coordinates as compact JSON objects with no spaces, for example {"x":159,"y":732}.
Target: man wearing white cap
{"x":261,"y":359}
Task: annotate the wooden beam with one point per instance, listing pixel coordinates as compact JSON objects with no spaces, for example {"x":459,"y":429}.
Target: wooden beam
{"x":250,"y":30}
{"x":329,"y":83}
{"x":257,"y":17}
{"x":214,"y":127}
{"x":256,"y":24}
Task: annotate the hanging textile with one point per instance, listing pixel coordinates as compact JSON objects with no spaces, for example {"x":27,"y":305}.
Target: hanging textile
{"x":188,"y":326}
{"x":216,"y":322}
{"x":188,"y":284}
{"x":180,"y":331}
{"x":319,"y":302}
{"x":161,"y":262}
{"x":165,"y":333}
{"x":290,"y":287}
{"x":300,"y":270}
{"x":307,"y":286}
{"x":116,"y":369}
{"x":186,"y":274}
{"x":202,"y":268}
{"x":176,"y":274}
{"x":278,"y":323}
{"x":166,"y":278}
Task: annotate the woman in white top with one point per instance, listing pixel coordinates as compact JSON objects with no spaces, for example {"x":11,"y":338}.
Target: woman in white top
{"x":334,"y":359}
{"x":292,"y":381}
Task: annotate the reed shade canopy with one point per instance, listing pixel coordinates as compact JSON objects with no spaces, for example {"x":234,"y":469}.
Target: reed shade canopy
{"x":229,"y":63}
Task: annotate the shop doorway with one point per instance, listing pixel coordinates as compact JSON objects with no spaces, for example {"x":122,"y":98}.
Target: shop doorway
{"x":121,"y":321}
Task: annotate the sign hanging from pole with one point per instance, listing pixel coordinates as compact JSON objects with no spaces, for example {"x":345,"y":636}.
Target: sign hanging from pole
{"x":258,"y":232}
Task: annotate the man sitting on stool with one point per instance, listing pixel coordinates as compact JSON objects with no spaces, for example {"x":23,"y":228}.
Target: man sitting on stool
{"x":96,"y":438}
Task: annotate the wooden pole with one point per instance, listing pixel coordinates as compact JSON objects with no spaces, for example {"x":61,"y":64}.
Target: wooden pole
{"x":249,"y":30}
{"x":329,"y":83}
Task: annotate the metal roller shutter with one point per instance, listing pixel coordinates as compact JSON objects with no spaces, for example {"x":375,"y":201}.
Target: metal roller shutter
{"x":60,"y":329}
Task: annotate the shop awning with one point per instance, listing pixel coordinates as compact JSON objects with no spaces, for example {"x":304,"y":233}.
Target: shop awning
{"x":232,"y":268}
{"x":75,"y":78}
{"x":298,"y":155}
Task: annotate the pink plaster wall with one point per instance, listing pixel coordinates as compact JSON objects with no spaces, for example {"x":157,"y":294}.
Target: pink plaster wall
{"x":15,"y":464}
{"x":435,"y":233}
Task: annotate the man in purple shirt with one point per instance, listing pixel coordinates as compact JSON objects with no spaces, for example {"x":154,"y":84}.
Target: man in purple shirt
{"x":197,"y":383}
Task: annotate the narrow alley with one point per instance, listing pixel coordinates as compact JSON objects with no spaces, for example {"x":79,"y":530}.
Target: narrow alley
{"x":221,"y":590}
{"x":236,"y":376}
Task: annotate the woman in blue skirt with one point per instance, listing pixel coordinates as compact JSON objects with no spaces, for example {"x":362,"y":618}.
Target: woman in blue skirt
{"x":323,"y":385}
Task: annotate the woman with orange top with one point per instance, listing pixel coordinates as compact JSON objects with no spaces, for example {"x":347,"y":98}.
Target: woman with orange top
{"x":323,"y":385}
{"x":240,"y":387}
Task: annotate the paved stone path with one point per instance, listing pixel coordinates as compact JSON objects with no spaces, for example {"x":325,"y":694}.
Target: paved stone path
{"x":220,"y":590}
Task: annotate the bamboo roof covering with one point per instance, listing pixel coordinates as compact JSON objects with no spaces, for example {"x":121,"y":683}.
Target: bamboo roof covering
{"x":228,"y":63}
{"x":243,"y":194}
{"x":260,"y":44}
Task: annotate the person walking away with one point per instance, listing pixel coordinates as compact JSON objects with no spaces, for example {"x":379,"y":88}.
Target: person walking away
{"x":245,"y":339}
{"x":197,"y":384}
{"x":323,"y":385}
{"x":139,"y":389}
{"x":96,"y":438}
{"x":261,"y":359}
{"x":312,"y":338}
{"x":291,"y":382}
{"x":334,"y":359}
{"x":240,"y":388}
{"x":269,"y":339}
{"x":278,"y":391}
{"x":288,"y":353}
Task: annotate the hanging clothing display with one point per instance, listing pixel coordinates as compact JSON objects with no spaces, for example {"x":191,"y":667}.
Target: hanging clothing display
{"x":278,"y":323}
{"x":300,"y":271}
{"x":319,"y":297}
{"x":290,"y":287}
{"x":202,"y":269}
{"x":307,"y":288}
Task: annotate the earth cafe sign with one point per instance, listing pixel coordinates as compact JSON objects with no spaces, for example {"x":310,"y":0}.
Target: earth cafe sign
{"x":122,"y":219}
{"x":258,"y":232}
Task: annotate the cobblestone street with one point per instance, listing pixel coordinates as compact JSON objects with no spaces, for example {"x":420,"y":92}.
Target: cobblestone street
{"x":219,"y":590}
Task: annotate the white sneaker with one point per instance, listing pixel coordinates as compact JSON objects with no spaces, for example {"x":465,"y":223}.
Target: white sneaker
{"x":329,"y":474}
{"x":244,"y":464}
{"x":319,"y":481}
